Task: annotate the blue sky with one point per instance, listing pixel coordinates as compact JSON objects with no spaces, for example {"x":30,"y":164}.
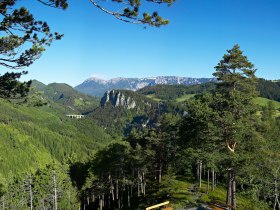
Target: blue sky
{"x":199,"y":33}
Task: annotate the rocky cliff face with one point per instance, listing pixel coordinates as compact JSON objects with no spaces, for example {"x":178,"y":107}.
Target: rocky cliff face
{"x":117,"y":98}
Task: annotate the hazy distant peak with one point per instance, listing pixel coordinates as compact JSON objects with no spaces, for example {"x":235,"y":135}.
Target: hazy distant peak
{"x":96,"y":79}
{"x":117,"y":79}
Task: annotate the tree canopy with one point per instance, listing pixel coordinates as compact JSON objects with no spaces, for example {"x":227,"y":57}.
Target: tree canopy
{"x":129,"y":11}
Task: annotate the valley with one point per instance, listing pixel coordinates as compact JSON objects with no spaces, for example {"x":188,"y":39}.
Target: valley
{"x":121,"y":125}
{"x":139,"y":104}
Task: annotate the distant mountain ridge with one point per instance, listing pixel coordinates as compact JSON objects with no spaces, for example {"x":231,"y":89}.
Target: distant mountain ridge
{"x":97,"y":87}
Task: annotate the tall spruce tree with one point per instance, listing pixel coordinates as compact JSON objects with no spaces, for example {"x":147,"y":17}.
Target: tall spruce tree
{"x":235,"y":109}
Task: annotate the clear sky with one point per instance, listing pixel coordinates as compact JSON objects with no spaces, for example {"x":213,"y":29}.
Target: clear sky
{"x":199,"y":33}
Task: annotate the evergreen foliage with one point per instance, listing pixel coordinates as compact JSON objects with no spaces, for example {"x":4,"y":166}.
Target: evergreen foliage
{"x":129,"y":11}
{"x":145,"y":113}
{"x":266,"y":88}
{"x":172,"y":92}
{"x":269,"y":89}
{"x":36,"y":135}
{"x":23,"y":40}
{"x":222,"y":147}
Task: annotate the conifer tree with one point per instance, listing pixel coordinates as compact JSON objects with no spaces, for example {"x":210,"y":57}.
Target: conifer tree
{"x":235,"y":109}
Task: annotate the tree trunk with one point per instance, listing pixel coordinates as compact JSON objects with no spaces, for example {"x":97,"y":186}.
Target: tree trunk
{"x":111,"y":187}
{"x":159,"y":172}
{"x":215,"y":183}
{"x":200,"y":173}
{"x":213,"y":179}
{"x":100,"y":203}
{"x":276,"y":194}
{"x":55,"y":191}
{"x":117,"y":189}
{"x":229,"y":188}
{"x":276,"y":203}
{"x":144,"y":184}
{"x":141,"y":184}
{"x":31,"y":193}
{"x":103,"y":200}
{"x":204,"y":172}
{"x":197,"y":169}
{"x":109,"y":201}
{"x":208,"y":176}
{"x":138,"y":183}
{"x":128,"y":197}
{"x":233,"y":191}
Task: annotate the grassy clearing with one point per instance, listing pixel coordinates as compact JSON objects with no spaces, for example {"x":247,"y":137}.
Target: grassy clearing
{"x":152,"y":96}
{"x":185,"y":97}
{"x":183,"y":193}
{"x":264,"y":101}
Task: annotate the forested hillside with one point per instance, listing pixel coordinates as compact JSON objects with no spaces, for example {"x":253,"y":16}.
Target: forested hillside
{"x":34,"y":136}
{"x":267,"y":89}
{"x":136,"y":149}
{"x":65,"y":95}
{"x":173,"y":92}
{"x":223,"y":149}
{"x":124,"y":110}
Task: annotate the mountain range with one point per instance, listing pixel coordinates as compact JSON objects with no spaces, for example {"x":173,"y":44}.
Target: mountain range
{"x":97,"y":87}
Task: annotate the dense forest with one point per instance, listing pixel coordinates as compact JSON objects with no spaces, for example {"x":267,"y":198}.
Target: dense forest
{"x":212,"y":145}
{"x":220,"y":145}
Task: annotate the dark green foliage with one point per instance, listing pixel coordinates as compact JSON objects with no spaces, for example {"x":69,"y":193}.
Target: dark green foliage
{"x":172,"y":92}
{"x":158,"y":160}
{"x":129,"y":11}
{"x":120,"y":120}
{"x":221,"y":129}
{"x":11,"y":88}
{"x":37,"y":135}
{"x":266,"y":88}
{"x":124,"y":173}
{"x":38,"y":190}
{"x":23,"y":39}
{"x":269,"y":89}
{"x":222,"y":122}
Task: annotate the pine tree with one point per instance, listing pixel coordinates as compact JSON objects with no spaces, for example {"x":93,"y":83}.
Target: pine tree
{"x":129,"y":11}
{"x":23,"y":39}
{"x":235,"y":109}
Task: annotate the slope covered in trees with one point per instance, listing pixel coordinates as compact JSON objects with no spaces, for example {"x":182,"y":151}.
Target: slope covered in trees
{"x":220,"y":137}
{"x":65,"y":95}
{"x":172,"y":92}
{"x":218,"y":145}
{"x":33,"y":136}
{"x":122,"y":110}
{"x":267,"y":89}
